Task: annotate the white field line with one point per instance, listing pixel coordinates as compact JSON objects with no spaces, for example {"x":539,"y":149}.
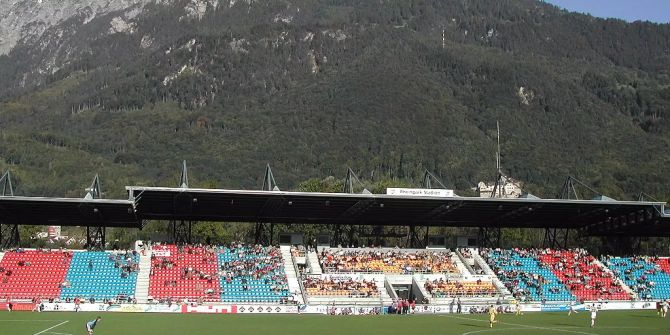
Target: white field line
{"x":28,"y":320}
{"x":492,"y":330}
{"x":521,"y":325}
{"x":555,"y":329}
{"x":50,"y":328}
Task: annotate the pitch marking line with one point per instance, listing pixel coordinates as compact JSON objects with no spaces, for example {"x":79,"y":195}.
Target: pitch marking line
{"x":492,"y":330}
{"x":521,"y":325}
{"x":28,"y":320}
{"x":50,"y":328}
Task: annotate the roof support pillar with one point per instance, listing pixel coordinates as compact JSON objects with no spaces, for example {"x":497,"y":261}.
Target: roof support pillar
{"x":556,"y":238}
{"x":183,"y":203}
{"x":489,"y":237}
{"x":9,"y":236}
{"x":95,"y":238}
{"x":181,"y":231}
{"x":264,"y":233}
{"x":417,"y":236}
{"x":9,"y":232}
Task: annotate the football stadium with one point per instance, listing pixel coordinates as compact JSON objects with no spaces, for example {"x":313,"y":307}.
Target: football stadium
{"x":326,"y":285}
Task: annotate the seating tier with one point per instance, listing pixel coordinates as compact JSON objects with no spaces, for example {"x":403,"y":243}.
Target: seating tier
{"x":389,"y":261}
{"x":643,"y":275}
{"x":184,"y":273}
{"x":101,"y":275}
{"x":252,"y":274}
{"x":341,"y":287}
{"x":33,"y":274}
{"x":585,"y":278}
{"x":450,"y":289}
{"x":525,"y":276}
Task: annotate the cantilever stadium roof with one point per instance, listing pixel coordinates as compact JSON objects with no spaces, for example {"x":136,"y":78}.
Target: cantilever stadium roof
{"x":598,"y":217}
{"x":68,"y":212}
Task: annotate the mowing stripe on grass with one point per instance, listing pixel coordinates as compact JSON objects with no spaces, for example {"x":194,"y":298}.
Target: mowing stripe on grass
{"x":522,"y":325}
{"x":50,"y":328}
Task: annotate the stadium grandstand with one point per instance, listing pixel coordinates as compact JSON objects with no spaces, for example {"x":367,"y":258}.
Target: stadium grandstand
{"x":297,"y":275}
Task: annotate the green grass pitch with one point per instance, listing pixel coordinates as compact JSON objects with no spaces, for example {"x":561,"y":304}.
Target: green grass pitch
{"x":63,"y":323}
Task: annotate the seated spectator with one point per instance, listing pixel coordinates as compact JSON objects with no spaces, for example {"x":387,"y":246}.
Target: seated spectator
{"x":387,"y":261}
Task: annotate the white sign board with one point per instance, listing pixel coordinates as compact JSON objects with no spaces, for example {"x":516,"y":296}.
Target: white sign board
{"x":421,"y":192}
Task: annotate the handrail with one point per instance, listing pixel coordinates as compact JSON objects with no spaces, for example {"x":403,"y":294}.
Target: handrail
{"x":299,"y":278}
{"x":462,"y":259}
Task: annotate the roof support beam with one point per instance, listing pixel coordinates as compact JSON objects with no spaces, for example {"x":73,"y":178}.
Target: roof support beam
{"x":358,"y":209}
{"x":441,"y":210}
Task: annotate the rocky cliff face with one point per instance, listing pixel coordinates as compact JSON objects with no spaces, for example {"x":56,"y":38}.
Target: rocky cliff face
{"x":46,"y":35}
{"x":26,"y":21}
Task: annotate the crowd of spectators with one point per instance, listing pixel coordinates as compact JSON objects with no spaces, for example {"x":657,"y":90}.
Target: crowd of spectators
{"x":255,"y":262}
{"x":533,"y":283}
{"x":386,"y":261}
{"x":122,"y":260}
{"x":192,"y":267}
{"x":643,"y":283}
{"x":349,"y":287}
{"x":466,"y":252}
{"x":443,"y":288}
{"x":582,"y":274}
{"x":298,"y":251}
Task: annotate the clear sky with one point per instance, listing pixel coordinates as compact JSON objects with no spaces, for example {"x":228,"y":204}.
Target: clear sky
{"x":629,"y":10}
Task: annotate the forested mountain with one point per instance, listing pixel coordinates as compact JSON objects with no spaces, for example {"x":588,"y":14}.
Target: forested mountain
{"x":389,"y":88}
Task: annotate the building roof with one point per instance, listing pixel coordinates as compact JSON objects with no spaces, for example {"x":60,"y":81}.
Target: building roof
{"x":597,"y":217}
{"x":67,"y":212}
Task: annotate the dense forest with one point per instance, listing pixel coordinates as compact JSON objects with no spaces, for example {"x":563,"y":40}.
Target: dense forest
{"x":388,"y":88}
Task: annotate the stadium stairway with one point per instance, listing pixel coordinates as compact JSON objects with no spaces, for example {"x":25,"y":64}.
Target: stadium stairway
{"x":460,"y":265}
{"x":417,"y":286}
{"x":142,"y":286}
{"x":487,"y":270}
{"x":2,"y":254}
{"x":290,"y":270}
{"x":463,"y":260}
{"x":313,"y":263}
{"x":616,"y":278}
{"x":387,"y":293}
{"x":589,"y":274}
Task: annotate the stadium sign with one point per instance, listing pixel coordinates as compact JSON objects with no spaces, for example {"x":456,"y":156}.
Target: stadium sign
{"x":420,"y":192}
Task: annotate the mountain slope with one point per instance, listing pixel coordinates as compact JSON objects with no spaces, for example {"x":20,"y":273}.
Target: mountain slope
{"x":314,"y":86}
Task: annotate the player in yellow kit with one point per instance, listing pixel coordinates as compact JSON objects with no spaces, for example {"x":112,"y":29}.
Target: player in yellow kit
{"x":492,"y":316}
{"x":518,"y":308}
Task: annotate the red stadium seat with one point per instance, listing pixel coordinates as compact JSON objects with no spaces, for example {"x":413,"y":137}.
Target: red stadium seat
{"x":168,"y":279}
{"x":39,"y":276}
{"x":585,"y":278}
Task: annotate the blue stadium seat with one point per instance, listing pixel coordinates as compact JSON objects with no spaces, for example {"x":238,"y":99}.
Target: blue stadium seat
{"x":507,"y":261}
{"x":259,"y":290}
{"x":638,"y":280}
{"x":94,"y":275}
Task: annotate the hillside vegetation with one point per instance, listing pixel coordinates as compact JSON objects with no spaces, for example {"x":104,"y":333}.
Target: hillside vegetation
{"x":313,"y":87}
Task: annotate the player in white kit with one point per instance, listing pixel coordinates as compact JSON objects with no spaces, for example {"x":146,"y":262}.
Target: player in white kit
{"x":594,"y":314}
